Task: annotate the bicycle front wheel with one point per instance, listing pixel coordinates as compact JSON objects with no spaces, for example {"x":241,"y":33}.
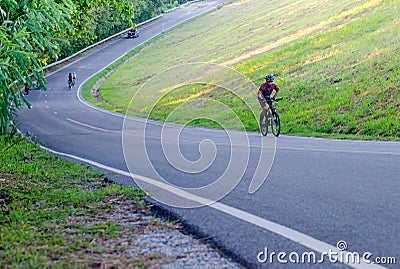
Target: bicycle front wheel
{"x":275,"y":124}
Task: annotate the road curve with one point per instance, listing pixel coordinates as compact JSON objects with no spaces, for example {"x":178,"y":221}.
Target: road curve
{"x":319,"y":192}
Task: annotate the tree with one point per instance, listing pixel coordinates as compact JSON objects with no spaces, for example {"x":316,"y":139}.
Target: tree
{"x":146,"y":9}
{"x":31,"y":32}
{"x":94,"y":20}
{"x":27,"y":34}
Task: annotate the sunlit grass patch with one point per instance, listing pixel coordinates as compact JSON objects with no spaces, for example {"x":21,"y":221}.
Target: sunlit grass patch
{"x":201,"y":105}
{"x":338,"y":57}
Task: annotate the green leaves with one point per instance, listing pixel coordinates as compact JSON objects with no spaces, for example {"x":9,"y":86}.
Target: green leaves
{"x":27,"y":29}
{"x":34,"y":33}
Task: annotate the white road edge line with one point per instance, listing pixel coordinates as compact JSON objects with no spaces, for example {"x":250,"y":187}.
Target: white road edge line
{"x":91,"y":126}
{"x":293,"y":235}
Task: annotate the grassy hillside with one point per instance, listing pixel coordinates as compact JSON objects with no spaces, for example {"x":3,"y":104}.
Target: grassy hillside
{"x":337,"y":63}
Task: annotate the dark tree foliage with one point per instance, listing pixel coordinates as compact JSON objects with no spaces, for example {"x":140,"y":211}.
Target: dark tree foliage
{"x":34,"y":33}
{"x":145,"y":10}
{"x":31,"y":32}
{"x":27,"y":31}
{"x":95,"y":20}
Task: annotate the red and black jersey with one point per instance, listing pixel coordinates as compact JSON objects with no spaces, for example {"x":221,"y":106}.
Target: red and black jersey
{"x":266,"y":90}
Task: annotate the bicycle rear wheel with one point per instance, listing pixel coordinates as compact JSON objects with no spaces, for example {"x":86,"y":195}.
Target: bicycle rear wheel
{"x":264,"y":124}
{"x":264,"y":128}
{"x":275,"y":124}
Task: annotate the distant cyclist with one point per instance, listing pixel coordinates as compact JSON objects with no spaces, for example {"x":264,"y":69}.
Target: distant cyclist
{"x":70,"y":80}
{"x":264,"y":95}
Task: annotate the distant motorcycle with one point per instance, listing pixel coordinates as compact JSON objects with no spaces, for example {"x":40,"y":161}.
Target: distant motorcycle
{"x":133,"y":33}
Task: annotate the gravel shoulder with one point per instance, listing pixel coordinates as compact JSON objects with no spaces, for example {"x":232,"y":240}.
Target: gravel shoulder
{"x":159,"y":243}
{"x":158,"y":240}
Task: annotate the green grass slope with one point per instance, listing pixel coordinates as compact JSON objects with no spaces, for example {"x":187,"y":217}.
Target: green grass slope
{"x":337,"y":63}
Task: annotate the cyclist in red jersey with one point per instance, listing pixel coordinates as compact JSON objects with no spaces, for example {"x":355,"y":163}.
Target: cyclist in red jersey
{"x":264,"y":95}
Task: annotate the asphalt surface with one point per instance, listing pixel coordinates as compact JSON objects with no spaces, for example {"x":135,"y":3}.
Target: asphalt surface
{"x":326,"y":190}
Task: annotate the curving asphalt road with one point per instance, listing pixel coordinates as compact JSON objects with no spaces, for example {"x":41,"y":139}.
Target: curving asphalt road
{"x":319,"y":192}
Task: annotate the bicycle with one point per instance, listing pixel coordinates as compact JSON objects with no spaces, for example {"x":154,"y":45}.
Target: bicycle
{"x":73,"y":79}
{"x":271,"y":118}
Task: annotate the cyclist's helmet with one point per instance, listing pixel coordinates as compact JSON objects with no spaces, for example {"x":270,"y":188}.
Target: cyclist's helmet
{"x":269,"y":78}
